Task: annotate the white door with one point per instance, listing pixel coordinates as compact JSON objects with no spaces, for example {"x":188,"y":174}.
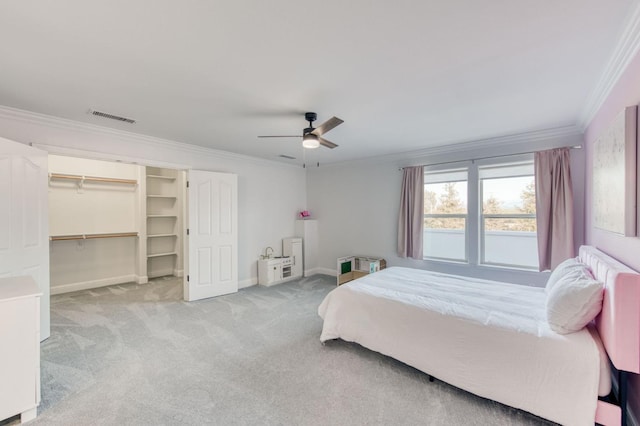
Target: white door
{"x":24,"y":219}
{"x":213,"y":235}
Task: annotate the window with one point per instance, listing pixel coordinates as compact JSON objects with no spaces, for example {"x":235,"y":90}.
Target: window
{"x":445,"y":215}
{"x":508,"y":216}
{"x":495,"y":225}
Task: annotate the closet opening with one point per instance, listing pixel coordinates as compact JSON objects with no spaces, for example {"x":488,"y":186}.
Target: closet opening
{"x":114,"y":223}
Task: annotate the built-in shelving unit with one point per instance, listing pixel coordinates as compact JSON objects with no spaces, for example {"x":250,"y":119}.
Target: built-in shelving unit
{"x":163,"y":221}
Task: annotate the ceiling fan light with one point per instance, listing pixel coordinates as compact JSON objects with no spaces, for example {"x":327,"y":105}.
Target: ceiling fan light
{"x":310,"y":141}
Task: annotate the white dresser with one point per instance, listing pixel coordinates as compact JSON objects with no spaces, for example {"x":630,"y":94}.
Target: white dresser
{"x":20,"y":343}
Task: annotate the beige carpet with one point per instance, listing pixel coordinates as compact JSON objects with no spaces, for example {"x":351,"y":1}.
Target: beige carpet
{"x":138,"y":355}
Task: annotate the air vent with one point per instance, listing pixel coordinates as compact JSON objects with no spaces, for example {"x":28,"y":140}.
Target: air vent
{"x":288,"y":157}
{"x":111,"y":116}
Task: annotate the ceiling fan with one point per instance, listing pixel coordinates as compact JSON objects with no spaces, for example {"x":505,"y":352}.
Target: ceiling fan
{"x":312,"y":137}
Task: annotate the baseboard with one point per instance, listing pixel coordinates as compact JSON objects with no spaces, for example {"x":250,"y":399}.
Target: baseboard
{"x":85,"y":285}
{"x":142,"y":279}
{"x":161,"y":273}
{"x":325,"y":271}
{"x":178,"y":272}
{"x":318,"y":270}
{"x":247,"y":283}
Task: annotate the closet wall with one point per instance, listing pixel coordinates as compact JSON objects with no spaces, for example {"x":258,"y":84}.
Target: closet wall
{"x":89,"y":208}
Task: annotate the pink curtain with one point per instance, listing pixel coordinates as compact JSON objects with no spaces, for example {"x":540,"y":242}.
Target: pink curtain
{"x":554,"y":207}
{"x":411,"y":218}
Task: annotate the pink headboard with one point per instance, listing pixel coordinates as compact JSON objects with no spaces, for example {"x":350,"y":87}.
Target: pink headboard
{"x":619,"y":322}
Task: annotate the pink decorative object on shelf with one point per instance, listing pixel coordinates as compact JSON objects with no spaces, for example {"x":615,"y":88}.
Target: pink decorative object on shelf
{"x":304,"y":214}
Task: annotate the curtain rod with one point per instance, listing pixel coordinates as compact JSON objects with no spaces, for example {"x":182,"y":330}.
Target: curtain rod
{"x":489,"y":157}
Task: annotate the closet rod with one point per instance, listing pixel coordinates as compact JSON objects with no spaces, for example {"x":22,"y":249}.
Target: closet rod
{"x":92,"y":236}
{"x":92,"y":178}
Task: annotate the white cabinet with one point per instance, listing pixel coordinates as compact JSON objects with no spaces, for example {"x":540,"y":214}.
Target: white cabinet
{"x":20,"y":343}
{"x":274,"y":271}
{"x":292,"y":247}
{"x":308,"y":231}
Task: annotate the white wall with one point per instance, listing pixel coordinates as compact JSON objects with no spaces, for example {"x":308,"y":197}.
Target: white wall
{"x":269,"y":193}
{"x":357,"y":204}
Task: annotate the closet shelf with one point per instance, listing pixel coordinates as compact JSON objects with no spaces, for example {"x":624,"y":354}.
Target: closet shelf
{"x":173,"y":253}
{"x":161,"y":196}
{"x":162,"y":215}
{"x":92,"y":236}
{"x":82,"y":179}
{"x":161,"y":177}
{"x":161,"y":235}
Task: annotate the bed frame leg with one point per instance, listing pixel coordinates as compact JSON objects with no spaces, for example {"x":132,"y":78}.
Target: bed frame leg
{"x":623,"y":377}
{"x":430,"y":377}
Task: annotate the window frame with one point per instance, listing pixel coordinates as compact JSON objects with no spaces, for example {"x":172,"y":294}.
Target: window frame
{"x":475,"y":217}
{"x":451,"y":167}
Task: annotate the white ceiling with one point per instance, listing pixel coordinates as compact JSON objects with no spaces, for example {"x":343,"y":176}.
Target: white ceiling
{"x":404,"y":75}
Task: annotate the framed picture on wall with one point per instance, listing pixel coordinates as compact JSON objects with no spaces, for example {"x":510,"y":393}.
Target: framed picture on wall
{"x":615,"y":180}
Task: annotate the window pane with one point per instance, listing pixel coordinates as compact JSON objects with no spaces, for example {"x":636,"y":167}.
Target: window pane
{"x":445,"y":223}
{"x":445,"y":198}
{"x":445,"y":238}
{"x":509,"y":195}
{"x":445,"y":193}
{"x":511,"y":241}
{"x":506,"y":170}
{"x":510,"y":224}
{"x":443,"y":176}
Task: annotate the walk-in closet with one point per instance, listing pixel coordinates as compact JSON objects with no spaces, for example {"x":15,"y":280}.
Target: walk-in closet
{"x":112,"y":223}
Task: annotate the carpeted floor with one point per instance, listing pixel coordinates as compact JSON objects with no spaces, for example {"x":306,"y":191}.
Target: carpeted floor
{"x":138,"y":355}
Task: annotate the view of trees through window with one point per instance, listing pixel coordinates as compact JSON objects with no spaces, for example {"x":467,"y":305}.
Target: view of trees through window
{"x":511,"y":197}
{"x":446,"y":199}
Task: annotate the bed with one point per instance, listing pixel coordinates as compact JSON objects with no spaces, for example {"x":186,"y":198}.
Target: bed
{"x":493,"y":339}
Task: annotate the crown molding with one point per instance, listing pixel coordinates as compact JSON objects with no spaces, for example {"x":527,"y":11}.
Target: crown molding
{"x":148,"y":141}
{"x":443,"y":148}
{"x":626,"y":49}
{"x":505,"y":141}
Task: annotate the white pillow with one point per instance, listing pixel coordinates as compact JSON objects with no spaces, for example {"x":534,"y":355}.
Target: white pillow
{"x":561,"y":270}
{"x":573,"y":301}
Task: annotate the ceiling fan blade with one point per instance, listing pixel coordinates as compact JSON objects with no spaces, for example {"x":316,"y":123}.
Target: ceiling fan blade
{"x":281,"y":136}
{"x":327,"y":125}
{"x":326,"y":143}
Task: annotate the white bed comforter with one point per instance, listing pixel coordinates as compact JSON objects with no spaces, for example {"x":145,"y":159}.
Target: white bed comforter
{"x":486,"y":337}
